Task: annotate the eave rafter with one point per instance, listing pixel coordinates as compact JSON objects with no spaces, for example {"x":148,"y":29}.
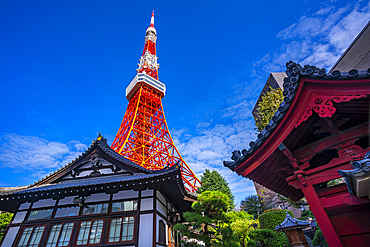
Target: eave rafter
{"x":301,"y":87}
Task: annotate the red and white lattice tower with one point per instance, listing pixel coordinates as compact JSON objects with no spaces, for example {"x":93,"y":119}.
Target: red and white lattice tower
{"x":143,"y":136}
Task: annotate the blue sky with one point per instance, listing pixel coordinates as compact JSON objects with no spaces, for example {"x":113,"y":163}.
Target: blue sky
{"x":65,"y":65}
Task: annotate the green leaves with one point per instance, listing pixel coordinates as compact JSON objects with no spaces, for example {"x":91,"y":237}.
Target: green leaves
{"x":208,"y":221}
{"x":267,"y":107}
{"x":5,"y":219}
{"x":271,"y":219}
{"x":213,"y":181}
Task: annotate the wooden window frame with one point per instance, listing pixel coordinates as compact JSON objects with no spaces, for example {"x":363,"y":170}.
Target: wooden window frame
{"x":62,"y":223}
{"x":125,"y":200}
{"x":33,"y":228}
{"x":120,"y":235}
{"x":82,"y":208}
{"x":66,"y":206}
{"x":31,"y":210}
{"x":79,"y":228}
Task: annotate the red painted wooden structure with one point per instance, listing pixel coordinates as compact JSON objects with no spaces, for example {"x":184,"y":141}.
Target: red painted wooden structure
{"x":321,"y":127}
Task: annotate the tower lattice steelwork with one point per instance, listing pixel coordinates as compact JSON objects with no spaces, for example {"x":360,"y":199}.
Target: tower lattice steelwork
{"x":143,"y":136}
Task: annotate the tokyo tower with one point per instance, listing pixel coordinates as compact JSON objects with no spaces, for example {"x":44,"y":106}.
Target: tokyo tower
{"x":143,"y":136}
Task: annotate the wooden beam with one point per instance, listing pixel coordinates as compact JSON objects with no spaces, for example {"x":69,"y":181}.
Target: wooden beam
{"x":289,"y":155}
{"x":343,"y":199}
{"x":306,"y":153}
{"x":328,"y":174}
{"x":321,"y":216}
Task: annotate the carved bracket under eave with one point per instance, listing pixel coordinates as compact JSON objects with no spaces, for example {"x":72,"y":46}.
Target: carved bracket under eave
{"x":323,"y":105}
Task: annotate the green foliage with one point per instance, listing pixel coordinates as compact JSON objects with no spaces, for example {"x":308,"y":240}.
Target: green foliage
{"x":241,"y":215}
{"x":208,"y":221}
{"x":266,"y":238}
{"x":305,"y":214}
{"x":242,"y":223}
{"x":334,"y":182}
{"x":5,"y":219}
{"x":213,"y":181}
{"x":267,"y":107}
{"x":319,"y":239}
{"x":271,"y":219}
{"x":241,"y":229}
{"x":253,"y":204}
{"x":271,"y":210}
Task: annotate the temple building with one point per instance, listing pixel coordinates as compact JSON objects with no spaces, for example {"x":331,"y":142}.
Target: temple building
{"x":319,"y":134}
{"x":128,"y":194}
{"x":99,"y":199}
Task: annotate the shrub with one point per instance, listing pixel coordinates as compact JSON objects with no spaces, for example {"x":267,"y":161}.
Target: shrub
{"x":271,"y":219}
{"x":266,"y":237}
{"x":271,"y":210}
{"x":318,"y":239}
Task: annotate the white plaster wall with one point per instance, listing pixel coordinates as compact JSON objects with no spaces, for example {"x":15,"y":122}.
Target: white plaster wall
{"x":10,"y":236}
{"x":125,"y":194}
{"x":146,"y":230}
{"x":44,"y":203}
{"x":161,"y":197}
{"x":147,"y":192}
{"x":19,"y":217}
{"x":99,"y":197}
{"x":24,"y":206}
{"x":157,"y":228}
{"x":161,"y":208}
{"x":146,"y":204}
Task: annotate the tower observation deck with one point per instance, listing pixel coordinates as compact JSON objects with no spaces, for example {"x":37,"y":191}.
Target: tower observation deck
{"x":143,"y":136}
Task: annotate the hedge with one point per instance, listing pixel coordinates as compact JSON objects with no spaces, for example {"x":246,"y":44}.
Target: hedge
{"x":271,"y":219}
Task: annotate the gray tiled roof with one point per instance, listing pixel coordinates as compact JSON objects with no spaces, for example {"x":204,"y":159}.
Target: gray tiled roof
{"x":291,"y":82}
{"x":85,"y":182}
{"x":291,"y":222}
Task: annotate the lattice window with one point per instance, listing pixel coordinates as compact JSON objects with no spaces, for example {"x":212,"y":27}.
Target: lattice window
{"x":60,"y":235}
{"x":121,"y":229}
{"x":90,"y":232}
{"x":31,"y":236}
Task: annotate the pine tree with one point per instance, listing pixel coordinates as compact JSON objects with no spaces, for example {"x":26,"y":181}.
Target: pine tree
{"x":208,"y":221}
{"x":213,"y":181}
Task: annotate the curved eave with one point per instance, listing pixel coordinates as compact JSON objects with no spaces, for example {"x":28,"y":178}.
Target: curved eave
{"x":167,"y":180}
{"x":307,"y":88}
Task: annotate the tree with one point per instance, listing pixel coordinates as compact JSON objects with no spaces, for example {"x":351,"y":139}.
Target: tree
{"x":253,"y":204}
{"x":5,"y":219}
{"x":242,"y":224}
{"x":208,"y":221}
{"x":319,"y":239}
{"x":213,"y":181}
{"x":267,"y":107}
{"x":265,"y":238}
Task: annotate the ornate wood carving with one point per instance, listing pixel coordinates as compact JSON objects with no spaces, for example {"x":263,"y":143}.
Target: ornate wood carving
{"x":323,"y":105}
{"x":307,"y":152}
